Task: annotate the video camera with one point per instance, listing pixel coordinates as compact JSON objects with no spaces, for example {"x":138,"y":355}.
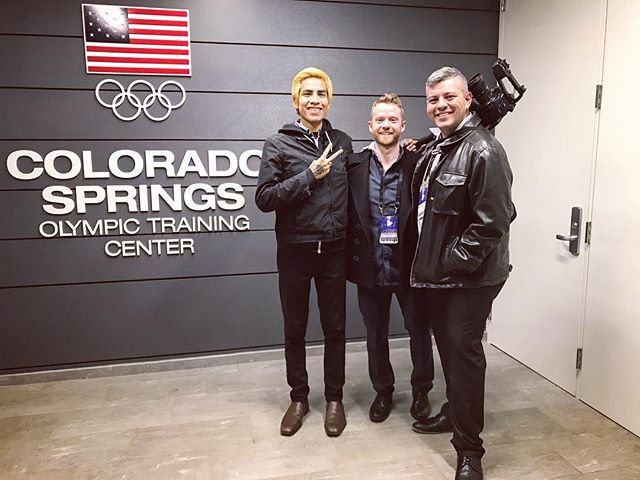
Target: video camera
{"x":490,"y":104}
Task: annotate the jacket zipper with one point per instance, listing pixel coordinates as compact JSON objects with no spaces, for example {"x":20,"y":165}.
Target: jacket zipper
{"x":333,"y":224}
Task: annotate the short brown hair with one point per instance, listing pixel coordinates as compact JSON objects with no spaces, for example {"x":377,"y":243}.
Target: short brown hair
{"x":391,"y":98}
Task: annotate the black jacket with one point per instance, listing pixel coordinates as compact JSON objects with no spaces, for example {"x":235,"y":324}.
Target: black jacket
{"x":307,"y":210}
{"x":465,"y":231}
{"x":361,"y":266}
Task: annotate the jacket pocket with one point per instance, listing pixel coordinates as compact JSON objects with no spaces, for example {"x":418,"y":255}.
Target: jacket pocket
{"x":448,"y":197}
{"x":307,"y":217}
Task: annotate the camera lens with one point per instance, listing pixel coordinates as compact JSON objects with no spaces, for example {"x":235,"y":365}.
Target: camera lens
{"x":479,"y":89}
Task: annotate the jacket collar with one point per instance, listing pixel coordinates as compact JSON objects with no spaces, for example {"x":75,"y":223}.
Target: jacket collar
{"x":458,"y":135}
{"x":453,"y":139}
{"x":293,"y":129}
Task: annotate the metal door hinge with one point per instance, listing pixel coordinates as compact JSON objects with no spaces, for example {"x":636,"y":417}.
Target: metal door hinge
{"x":587,"y":234}
{"x":503,"y":5}
{"x":598,"y":97}
{"x":579,"y":359}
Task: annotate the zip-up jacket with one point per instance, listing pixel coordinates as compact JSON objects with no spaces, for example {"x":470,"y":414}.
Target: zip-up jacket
{"x":307,"y":209}
{"x":464,"y":240}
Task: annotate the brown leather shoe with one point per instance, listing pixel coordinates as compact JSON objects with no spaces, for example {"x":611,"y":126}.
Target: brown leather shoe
{"x":334,"y":419}
{"x":292,"y":420}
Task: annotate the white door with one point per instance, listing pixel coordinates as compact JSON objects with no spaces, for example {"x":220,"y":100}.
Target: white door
{"x":610,"y":377}
{"x":555,"y":50}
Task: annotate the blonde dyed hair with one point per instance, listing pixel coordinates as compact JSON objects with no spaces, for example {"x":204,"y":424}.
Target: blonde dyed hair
{"x":309,"y":72}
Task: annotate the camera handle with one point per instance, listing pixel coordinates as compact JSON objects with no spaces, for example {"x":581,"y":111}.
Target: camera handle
{"x":502,"y":72}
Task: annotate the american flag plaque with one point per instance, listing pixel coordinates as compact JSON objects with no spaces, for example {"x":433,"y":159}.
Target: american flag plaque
{"x":136,"y":40}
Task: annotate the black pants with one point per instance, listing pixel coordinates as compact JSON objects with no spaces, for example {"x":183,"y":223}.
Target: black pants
{"x":458,"y":317}
{"x":374,"y":306}
{"x":297,"y":265}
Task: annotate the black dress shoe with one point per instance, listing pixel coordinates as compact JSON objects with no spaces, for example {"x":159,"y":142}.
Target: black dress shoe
{"x":438,"y":424}
{"x":469,"y":468}
{"x":420,"y":407}
{"x":380,"y":408}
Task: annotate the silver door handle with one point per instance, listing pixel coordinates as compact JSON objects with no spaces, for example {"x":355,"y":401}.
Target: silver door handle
{"x":567,"y":238}
{"x":574,"y":232}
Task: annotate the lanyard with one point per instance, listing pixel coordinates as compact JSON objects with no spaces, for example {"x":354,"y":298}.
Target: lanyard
{"x":433,"y":164}
{"x":435,"y":155}
{"x":396,"y":205}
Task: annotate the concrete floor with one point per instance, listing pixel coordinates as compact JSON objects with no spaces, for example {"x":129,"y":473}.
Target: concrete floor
{"x":221,"y":422}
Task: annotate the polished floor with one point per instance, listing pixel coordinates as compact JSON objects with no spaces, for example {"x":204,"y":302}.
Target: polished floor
{"x":221,"y":422}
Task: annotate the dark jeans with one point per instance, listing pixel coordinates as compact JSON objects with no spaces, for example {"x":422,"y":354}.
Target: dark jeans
{"x":374,"y":306}
{"x":458,"y":317}
{"x":297,"y":265}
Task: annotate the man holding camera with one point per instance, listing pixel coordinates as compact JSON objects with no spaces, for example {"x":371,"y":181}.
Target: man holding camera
{"x":378,"y":206}
{"x":461,"y":209}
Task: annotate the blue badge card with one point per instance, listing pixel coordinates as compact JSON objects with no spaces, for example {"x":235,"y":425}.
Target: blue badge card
{"x":422,"y":196}
{"x":388,"y":226}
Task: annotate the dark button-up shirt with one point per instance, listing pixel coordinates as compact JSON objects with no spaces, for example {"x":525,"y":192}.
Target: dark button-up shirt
{"x":384,"y":190}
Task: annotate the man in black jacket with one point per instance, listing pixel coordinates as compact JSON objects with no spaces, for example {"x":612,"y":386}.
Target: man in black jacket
{"x":462,"y":210}
{"x":303,"y":178}
{"x":378,"y":208}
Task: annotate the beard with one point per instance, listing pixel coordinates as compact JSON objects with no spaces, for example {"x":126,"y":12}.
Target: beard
{"x":387,"y":140}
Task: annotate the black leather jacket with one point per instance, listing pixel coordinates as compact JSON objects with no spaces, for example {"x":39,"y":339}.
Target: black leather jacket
{"x":307,"y":210}
{"x":465,"y":231}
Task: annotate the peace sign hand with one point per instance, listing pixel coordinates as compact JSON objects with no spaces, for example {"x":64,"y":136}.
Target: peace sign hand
{"x":321,"y":166}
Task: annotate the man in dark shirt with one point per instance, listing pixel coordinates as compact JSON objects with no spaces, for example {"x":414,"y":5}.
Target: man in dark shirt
{"x":303,"y":179}
{"x":378,"y":206}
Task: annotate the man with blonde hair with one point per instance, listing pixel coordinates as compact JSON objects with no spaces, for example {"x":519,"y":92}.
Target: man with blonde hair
{"x":303,"y":179}
{"x":378,"y":206}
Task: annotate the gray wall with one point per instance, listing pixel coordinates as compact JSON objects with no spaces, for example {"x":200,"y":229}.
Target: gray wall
{"x":63,"y":301}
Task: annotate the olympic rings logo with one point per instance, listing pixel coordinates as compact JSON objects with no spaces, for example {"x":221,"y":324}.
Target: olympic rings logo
{"x":141,"y":105}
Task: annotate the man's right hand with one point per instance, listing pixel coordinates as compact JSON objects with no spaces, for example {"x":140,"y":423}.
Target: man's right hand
{"x":321,"y":166}
{"x":411,"y":145}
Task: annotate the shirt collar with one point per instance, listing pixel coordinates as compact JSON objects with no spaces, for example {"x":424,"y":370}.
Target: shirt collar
{"x":372,"y":147}
{"x":306,"y":130}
